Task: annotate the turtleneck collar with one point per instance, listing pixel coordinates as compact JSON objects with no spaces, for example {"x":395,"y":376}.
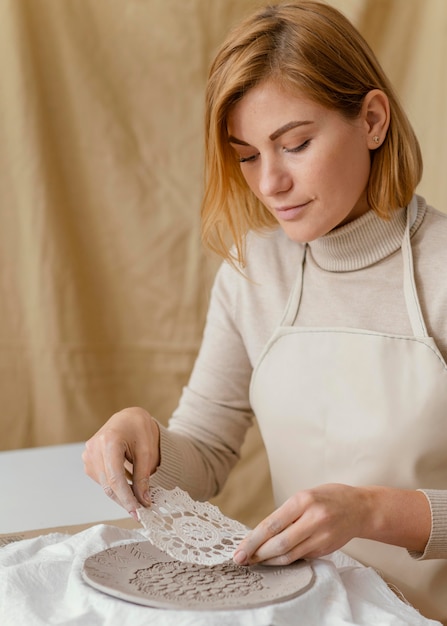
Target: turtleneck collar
{"x":364,"y":241}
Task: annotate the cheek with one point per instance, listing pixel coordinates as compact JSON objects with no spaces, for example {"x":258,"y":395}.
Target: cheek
{"x":251,"y":180}
{"x":361,"y":169}
{"x":346,"y":171}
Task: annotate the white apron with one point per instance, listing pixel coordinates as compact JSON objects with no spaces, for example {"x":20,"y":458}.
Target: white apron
{"x":362,"y":408}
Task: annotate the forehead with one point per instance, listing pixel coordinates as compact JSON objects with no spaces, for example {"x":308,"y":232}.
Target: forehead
{"x":272,"y":106}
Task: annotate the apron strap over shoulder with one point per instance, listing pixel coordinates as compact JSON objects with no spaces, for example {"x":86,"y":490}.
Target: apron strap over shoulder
{"x":293,"y":303}
{"x":411,"y":297}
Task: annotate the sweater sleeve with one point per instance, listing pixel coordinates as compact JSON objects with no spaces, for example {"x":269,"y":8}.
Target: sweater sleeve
{"x":436,"y":547}
{"x":205,"y":433}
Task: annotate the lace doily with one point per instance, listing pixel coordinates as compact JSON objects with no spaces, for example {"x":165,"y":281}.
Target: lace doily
{"x":190,"y":531}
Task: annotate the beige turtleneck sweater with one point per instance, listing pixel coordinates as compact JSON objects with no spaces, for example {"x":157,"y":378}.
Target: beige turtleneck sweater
{"x":353,"y":278}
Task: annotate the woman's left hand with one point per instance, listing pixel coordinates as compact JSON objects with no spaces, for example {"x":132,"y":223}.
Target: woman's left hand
{"x":310,"y":524}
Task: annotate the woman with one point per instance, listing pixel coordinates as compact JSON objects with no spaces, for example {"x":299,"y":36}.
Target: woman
{"x":327,"y":320}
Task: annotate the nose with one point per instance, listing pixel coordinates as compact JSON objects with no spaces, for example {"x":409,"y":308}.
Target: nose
{"x":274,"y":178}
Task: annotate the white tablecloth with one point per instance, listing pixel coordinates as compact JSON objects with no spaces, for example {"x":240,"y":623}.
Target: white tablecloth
{"x":41,"y":585}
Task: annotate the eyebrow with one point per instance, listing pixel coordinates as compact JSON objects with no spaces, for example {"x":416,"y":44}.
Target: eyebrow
{"x":277,"y":133}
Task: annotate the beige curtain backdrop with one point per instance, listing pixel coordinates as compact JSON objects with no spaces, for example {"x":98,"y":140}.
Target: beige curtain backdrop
{"x":104,"y":284}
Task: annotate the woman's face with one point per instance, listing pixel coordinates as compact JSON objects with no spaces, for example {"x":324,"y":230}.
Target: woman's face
{"x":307,"y":164}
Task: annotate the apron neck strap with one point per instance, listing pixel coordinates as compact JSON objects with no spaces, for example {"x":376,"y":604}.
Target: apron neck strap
{"x":411,"y":297}
{"x":410,"y":292}
{"x":293,"y":303}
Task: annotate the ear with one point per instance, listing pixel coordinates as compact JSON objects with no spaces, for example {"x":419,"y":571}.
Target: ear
{"x":375,"y":114}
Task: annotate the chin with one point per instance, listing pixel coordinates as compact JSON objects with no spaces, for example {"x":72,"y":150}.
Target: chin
{"x":303,"y":235}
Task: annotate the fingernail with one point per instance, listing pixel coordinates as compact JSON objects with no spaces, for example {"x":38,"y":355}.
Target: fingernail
{"x":134,"y":515}
{"x":240,"y":557}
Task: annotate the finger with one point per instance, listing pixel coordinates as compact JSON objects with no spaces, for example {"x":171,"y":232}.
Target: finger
{"x":141,"y":473}
{"x":94,"y":468}
{"x":128,"y":466}
{"x":107,"y":488}
{"x":115,"y":482}
{"x":91,"y":467}
{"x":298,"y":552}
{"x":264,"y":531}
{"x":274,"y":525}
{"x":284,"y":546}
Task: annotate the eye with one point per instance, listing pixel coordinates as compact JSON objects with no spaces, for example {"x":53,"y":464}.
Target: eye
{"x":247,"y":159}
{"x":299,"y":148}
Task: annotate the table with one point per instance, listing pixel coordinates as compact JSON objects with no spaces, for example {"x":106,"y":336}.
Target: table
{"x":46,"y":487}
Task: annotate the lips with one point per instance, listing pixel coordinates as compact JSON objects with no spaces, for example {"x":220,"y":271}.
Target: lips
{"x":290,"y":212}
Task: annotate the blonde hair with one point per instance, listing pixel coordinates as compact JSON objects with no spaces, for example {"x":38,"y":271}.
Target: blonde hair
{"x":311,"y":47}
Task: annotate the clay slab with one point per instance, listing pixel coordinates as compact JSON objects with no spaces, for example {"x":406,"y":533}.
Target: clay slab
{"x":140,"y":573}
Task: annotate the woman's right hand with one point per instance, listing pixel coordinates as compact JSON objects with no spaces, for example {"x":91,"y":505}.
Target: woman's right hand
{"x":127,"y":445}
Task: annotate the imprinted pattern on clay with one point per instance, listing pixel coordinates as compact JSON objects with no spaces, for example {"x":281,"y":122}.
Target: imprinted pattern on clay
{"x":191,"y":582}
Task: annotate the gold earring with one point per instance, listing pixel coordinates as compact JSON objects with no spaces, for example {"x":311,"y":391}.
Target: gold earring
{"x":376,"y":139}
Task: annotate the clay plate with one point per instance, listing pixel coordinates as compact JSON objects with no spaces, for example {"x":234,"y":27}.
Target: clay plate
{"x":140,"y":573}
